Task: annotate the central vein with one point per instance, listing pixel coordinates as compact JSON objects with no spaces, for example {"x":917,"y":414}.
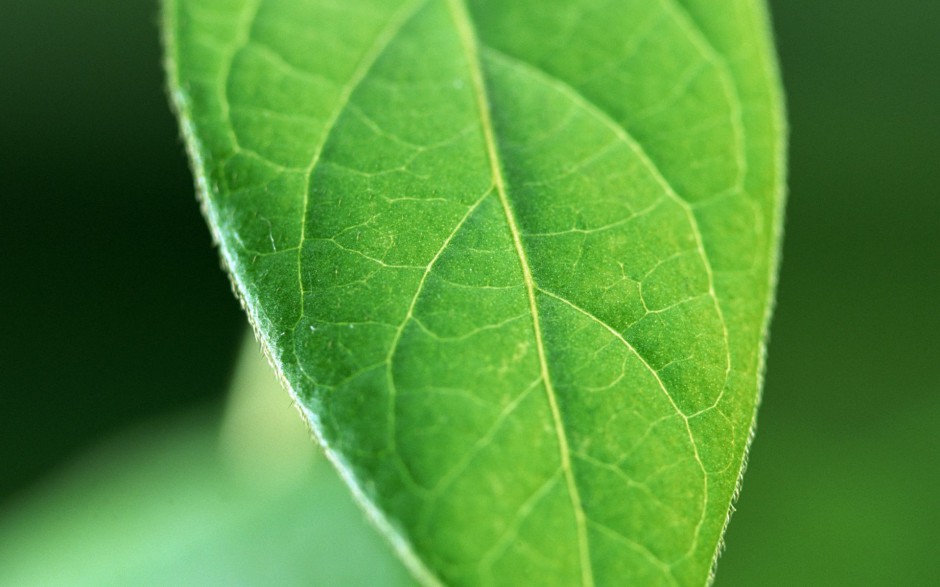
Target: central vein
{"x":469,"y":42}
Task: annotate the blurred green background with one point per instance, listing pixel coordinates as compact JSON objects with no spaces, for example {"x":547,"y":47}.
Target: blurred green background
{"x":115,"y":312}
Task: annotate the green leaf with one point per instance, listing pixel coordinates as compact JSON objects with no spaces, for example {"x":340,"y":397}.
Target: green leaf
{"x":513,"y":259}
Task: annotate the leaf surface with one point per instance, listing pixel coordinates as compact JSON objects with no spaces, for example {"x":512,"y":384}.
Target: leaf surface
{"x":513,"y":259}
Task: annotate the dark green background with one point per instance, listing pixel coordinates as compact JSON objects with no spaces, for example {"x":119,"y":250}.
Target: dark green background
{"x":113,"y":308}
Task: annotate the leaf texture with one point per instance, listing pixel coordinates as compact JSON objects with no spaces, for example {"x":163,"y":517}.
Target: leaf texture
{"x":513,"y":259}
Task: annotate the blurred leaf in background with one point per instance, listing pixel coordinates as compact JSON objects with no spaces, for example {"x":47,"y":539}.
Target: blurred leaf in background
{"x":113,"y":305}
{"x":198,"y":500}
{"x":115,"y":311}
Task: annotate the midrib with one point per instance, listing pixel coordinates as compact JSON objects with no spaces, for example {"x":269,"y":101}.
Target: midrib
{"x":469,"y":43}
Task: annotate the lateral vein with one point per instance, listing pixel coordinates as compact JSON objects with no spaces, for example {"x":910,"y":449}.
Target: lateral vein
{"x":378,"y":47}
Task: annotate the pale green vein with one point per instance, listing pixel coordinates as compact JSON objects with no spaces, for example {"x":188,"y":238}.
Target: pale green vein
{"x":466,"y":335}
{"x":469,"y":42}
{"x":638,"y":548}
{"x":382,"y":41}
{"x":697,"y":37}
{"x":241,"y":39}
{"x":486,"y":440}
{"x":631,"y":482}
{"x":525,"y":510}
{"x":665,"y":390}
{"x":396,"y":340}
{"x":637,"y":37}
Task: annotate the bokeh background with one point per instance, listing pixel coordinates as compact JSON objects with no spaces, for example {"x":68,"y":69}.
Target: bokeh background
{"x":114,"y":313}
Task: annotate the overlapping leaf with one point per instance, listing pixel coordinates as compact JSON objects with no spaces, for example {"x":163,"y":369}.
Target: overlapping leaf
{"x":514,"y":260}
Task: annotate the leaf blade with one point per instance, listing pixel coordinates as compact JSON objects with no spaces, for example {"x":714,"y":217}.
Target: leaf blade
{"x":391,"y":275}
